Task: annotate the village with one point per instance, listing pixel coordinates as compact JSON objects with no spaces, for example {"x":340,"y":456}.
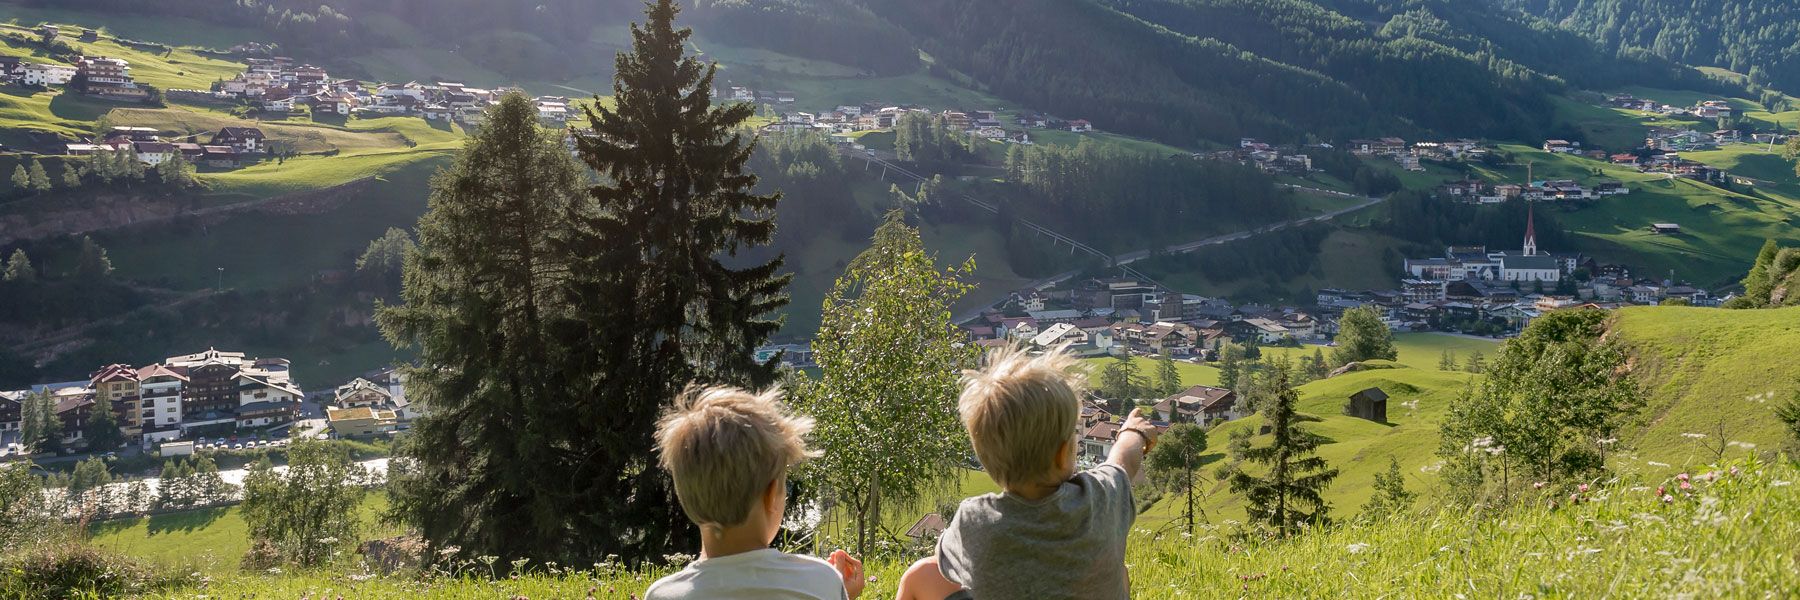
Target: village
{"x":211,"y":400}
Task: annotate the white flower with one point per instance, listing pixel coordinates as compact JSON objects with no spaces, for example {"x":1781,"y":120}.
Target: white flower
{"x":1357,"y":548}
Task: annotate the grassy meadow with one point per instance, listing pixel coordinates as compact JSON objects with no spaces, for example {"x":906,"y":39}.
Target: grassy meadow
{"x":1729,"y":537}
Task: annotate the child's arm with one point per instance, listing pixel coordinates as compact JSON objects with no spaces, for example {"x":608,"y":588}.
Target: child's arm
{"x":1135,"y":438}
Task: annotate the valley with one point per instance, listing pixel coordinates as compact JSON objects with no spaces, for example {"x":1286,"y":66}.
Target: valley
{"x":1227,"y":209}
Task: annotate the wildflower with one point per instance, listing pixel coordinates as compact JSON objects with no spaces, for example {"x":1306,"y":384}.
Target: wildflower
{"x":1734,"y":470}
{"x":1685,"y":486}
{"x":1682,"y":477}
{"x":1537,"y":486}
{"x":1583,"y":488}
{"x":1574,"y":498}
{"x":1661,"y":491}
{"x":1667,"y":499}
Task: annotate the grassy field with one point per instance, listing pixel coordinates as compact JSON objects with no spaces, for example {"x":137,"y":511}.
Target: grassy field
{"x":1728,"y":538}
{"x":178,"y":68}
{"x":1711,"y":372}
{"x":210,"y":541}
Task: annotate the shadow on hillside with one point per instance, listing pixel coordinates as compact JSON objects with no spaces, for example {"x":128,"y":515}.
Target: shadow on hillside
{"x":441,"y":125}
{"x":333,"y":120}
{"x":184,"y":521}
{"x":68,"y":106}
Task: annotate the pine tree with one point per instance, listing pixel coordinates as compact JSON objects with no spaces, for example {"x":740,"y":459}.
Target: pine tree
{"x":1231,"y":366}
{"x":71,"y":174}
{"x":176,"y":172}
{"x":1318,"y":368}
{"x":1362,"y":336}
{"x":1168,"y":378}
{"x":1122,"y":383}
{"x":40,"y":429}
{"x":21,"y":180}
{"x":18,"y":267}
{"x":1177,"y":454}
{"x":1447,"y":361}
{"x":40,"y":180}
{"x":1476,"y":362}
{"x":1391,"y":496}
{"x":662,"y":305}
{"x":484,"y":292}
{"x":92,"y":265}
{"x":1758,"y":283}
{"x":890,"y":361}
{"x":1287,"y":496}
{"x":102,"y":428}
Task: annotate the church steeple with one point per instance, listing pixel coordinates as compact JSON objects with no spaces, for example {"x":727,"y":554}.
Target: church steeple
{"x":1530,"y":233}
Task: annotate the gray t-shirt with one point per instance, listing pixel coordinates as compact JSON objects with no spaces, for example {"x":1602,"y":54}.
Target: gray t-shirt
{"x":1070,"y":544}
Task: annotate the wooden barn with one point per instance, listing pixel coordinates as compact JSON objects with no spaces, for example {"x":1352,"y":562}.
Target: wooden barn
{"x":1369,"y":404}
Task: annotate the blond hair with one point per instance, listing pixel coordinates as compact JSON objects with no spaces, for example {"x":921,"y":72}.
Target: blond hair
{"x":1020,"y":410}
{"x":724,"y":445}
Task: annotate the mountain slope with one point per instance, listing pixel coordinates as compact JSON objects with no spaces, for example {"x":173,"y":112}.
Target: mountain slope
{"x":1707,"y":371}
{"x":1757,"y":37}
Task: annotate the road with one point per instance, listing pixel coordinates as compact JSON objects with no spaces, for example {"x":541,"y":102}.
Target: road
{"x":1121,"y":260}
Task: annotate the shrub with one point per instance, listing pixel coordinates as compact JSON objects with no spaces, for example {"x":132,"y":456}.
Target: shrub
{"x":64,"y":570}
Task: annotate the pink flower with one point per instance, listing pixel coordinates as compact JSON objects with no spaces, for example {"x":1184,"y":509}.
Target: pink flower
{"x":1685,"y":486}
{"x":1734,"y":470}
{"x":1574,"y":498}
{"x":1710,"y":475}
{"x":1668,"y":499}
{"x":1682,"y":477}
{"x":1583,"y":488}
{"x":1660,"y":490}
{"x":1537,"y":486}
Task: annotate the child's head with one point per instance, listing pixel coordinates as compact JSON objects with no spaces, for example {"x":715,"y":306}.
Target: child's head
{"x":729,"y":451}
{"x":1021,"y":412}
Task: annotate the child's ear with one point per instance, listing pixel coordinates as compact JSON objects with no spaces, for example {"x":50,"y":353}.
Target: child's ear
{"x":771,"y":495}
{"x":1065,"y":455}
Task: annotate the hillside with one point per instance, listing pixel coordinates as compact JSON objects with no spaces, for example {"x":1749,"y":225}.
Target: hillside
{"x":1756,"y":37}
{"x":1727,"y":538}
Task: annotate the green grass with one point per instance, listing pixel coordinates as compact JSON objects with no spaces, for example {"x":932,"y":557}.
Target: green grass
{"x":179,"y":68}
{"x":209,"y":540}
{"x":1706,"y":369}
{"x":1419,"y":395}
{"x":1730,"y":538}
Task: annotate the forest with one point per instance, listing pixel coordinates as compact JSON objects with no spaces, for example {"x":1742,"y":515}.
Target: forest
{"x":1759,"y":38}
{"x":534,"y":39}
{"x":1125,"y":200}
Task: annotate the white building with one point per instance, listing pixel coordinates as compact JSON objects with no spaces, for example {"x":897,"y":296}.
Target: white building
{"x":47,"y":75}
{"x":160,"y":390}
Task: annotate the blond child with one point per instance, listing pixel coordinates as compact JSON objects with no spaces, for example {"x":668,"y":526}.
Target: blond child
{"x":1053,"y":532}
{"x":729,"y":451}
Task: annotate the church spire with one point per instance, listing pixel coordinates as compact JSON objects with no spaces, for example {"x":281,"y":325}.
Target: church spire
{"x":1530,"y":232}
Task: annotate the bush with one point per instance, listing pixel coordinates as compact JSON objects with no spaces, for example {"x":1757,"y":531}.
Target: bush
{"x":54,"y":570}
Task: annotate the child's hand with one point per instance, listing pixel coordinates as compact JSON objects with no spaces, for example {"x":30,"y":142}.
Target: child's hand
{"x":1136,"y":422}
{"x":852,"y":572}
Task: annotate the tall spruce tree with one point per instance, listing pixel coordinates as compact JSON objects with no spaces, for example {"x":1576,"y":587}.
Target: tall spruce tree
{"x":40,"y":179}
{"x":1286,"y":495}
{"x":102,"y":428}
{"x":1177,"y":457}
{"x":660,"y":282}
{"x":490,"y":465}
{"x":92,"y":264}
{"x":18,"y":267}
{"x":1168,"y":378}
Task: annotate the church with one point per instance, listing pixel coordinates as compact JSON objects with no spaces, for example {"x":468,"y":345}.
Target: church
{"x":1528,"y":265}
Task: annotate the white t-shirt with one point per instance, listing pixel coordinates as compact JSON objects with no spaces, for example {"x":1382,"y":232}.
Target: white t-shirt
{"x":766,"y":574}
